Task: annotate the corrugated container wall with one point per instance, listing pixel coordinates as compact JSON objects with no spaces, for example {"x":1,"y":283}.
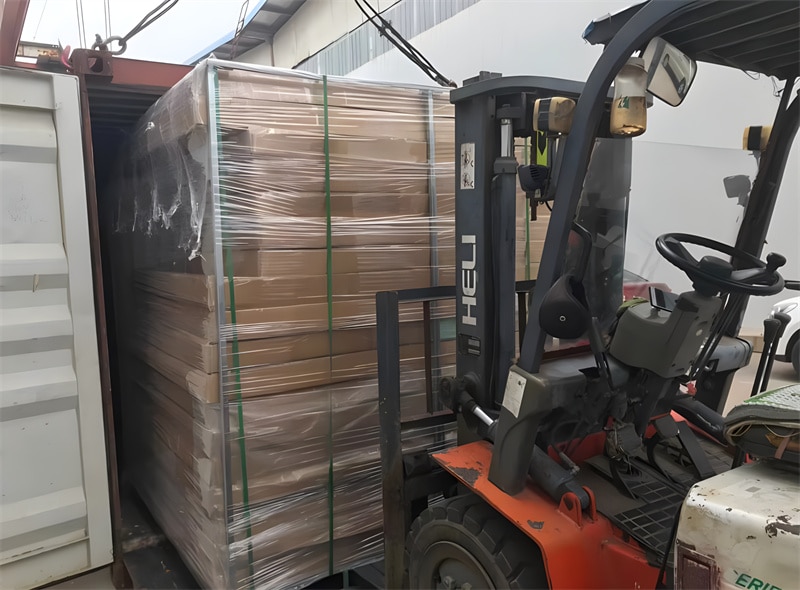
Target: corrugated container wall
{"x":54,"y":512}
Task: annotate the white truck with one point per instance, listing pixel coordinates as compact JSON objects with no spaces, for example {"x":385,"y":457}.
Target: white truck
{"x":789,"y":351}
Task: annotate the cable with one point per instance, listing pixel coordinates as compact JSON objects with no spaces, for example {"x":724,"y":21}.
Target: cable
{"x":107,"y":17}
{"x":150,"y":18}
{"x":410,"y":51}
{"x":776,"y":92}
{"x":661,"y":583}
{"x":84,"y":38}
{"x":395,"y":38}
{"x":383,"y":29}
{"x":39,"y":21}
{"x":81,"y":24}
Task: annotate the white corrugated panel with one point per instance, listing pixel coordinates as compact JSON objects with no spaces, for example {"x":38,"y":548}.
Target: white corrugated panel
{"x":54,"y":505}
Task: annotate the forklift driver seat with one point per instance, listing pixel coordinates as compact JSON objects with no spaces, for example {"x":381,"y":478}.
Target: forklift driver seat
{"x":768,"y":425}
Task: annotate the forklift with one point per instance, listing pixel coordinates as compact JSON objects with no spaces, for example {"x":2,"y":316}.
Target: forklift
{"x":577,"y":446}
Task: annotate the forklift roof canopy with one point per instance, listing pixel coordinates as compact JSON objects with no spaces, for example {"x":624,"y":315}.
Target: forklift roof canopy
{"x":752,"y":35}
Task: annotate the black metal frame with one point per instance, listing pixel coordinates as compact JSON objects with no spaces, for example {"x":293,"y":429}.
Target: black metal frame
{"x":396,"y":496}
{"x":485,"y":220}
{"x":407,"y":483}
{"x":641,"y":27}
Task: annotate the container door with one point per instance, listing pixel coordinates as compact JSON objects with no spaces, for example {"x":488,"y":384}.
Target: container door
{"x":54,"y":510}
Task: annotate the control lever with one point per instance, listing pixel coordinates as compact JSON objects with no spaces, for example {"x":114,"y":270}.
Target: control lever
{"x":773,"y":331}
{"x":775,"y":261}
{"x":783,"y":319}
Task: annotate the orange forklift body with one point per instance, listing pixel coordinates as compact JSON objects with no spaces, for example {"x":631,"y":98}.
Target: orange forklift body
{"x":580,"y":549}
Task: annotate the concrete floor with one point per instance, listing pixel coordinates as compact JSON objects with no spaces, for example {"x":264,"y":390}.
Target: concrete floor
{"x":96,"y":580}
{"x":782,"y":374}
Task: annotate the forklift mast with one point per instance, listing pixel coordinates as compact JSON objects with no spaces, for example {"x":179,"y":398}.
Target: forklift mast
{"x":490,"y":112}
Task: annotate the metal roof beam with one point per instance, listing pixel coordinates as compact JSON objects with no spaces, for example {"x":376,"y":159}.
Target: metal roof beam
{"x":703,"y":14}
{"x":777,"y":51}
{"x":785,"y":60}
{"x":779,"y":38}
{"x":277,"y":9}
{"x":257,"y":29}
{"x":732,"y":32}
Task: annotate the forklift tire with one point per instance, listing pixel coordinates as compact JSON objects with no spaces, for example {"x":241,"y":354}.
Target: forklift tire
{"x":463,"y":543}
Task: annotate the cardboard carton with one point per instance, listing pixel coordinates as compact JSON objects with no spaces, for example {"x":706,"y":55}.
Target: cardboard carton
{"x":260,"y":292}
{"x":343,"y":260}
{"x":202,"y":355}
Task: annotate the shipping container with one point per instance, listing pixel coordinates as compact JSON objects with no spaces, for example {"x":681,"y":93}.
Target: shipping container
{"x":60,"y":511}
{"x":55,"y":511}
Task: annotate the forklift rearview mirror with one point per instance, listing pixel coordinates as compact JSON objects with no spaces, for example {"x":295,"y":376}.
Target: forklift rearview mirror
{"x":670,"y":72}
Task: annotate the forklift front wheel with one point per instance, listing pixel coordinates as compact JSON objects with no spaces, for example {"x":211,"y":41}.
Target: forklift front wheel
{"x":462,"y":543}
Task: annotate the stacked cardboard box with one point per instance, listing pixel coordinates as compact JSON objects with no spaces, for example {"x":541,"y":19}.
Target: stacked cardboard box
{"x":260,"y":213}
{"x":532,"y":221}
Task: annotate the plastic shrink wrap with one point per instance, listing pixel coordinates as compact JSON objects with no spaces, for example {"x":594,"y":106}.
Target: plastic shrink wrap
{"x":258,"y":212}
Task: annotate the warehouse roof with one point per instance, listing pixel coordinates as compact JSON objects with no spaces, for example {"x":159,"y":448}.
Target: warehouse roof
{"x":751,"y":35}
{"x":261,"y":24}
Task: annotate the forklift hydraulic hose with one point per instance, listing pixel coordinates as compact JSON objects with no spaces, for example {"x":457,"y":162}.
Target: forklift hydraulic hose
{"x":783,"y":320}
{"x":699,"y":414}
{"x":554,"y":479}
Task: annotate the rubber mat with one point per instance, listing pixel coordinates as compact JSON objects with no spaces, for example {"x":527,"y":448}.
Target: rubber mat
{"x":659,"y":499}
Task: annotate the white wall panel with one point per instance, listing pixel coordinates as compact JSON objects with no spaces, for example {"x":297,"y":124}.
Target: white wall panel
{"x":315,"y":25}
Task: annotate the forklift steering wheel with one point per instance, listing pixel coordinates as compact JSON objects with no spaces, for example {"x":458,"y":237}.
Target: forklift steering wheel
{"x":753,"y":277}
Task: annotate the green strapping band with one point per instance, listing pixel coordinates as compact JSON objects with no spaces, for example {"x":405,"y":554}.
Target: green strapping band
{"x":329,"y":272}
{"x":240,"y":411}
{"x":235,"y":361}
